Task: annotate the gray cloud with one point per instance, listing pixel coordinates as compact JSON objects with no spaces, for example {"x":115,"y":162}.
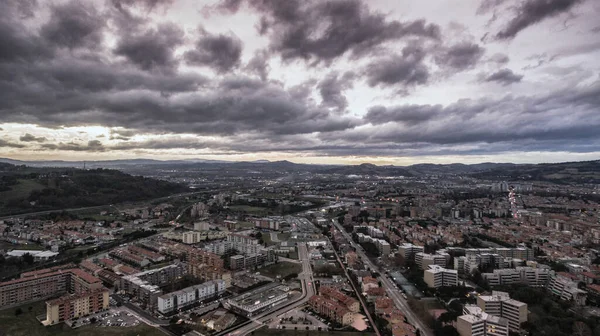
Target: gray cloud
{"x":351,"y":26}
{"x":91,"y":146}
{"x":74,"y":24}
{"x":17,"y":43}
{"x":30,"y":138}
{"x":4,"y":143}
{"x":487,"y":5}
{"x":504,"y":77}
{"x":153,"y":49}
{"x":221,"y":52}
{"x":530,"y":12}
{"x":331,"y":89}
{"x":461,"y":56}
{"x":499,"y":58}
{"x":259,"y":64}
{"x":405,"y":70}
{"x":148,"y":5}
{"x":410,"y":114}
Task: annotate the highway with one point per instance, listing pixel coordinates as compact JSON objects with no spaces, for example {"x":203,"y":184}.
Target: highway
{"x":390,"y":288}
{"x":308,"y":290}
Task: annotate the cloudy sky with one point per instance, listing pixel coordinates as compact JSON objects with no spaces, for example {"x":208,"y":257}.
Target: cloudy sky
{"x":320,"y":81}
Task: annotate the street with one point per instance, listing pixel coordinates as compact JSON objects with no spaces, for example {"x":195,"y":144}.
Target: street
{"x":389,"y":287}
{"x":307,"y":282}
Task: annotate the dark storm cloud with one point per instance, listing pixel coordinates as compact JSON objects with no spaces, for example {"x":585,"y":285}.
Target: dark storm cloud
{"x":76,"y":77}
{"x":92,"y":146}
{"x":221,"y":107}
{"x":4,"y":143}
{"x":324,"y":30}
{"x":468,"y":122}
{"x":152,"y":49}
{"x":504,"y":77}
{"x":410,"y":114}
{"x":530,"y":12}
{"x":31,"y":138}
{"x":406,"y":69}
{"x":332,"y":89}
{"x":17,"y":43}
{"x":461,"y":56}
{"x":259,"y":64}
{"x":74,"y":24}
{"x":220,"y":52}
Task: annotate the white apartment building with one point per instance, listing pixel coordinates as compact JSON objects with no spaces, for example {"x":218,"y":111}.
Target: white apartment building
{"x":176,"y":300}
{"x":566,"y":289}
{"x":191,"y":237}
{"x":408,"y":251}
{"x":476,"y":322}
{"x":423,"y":260}
{"x":500,"y":304}
{"x":437,"y":276}
{"x":535,"y":277}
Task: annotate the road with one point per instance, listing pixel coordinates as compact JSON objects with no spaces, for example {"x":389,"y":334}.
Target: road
{"x":387,"y":284}
{"x":308,"y":290}
{"x":358,"y":294}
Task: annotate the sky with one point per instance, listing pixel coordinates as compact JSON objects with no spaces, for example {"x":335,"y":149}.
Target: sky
{"x":309,"y":81}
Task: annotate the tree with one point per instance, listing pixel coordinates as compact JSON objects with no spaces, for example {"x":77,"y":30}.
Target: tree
{"x":18,"y":311}
{"x":28,"y":258}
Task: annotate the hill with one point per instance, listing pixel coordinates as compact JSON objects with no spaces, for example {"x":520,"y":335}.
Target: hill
{"x":566,"y":172}
{"x":30,"y":189}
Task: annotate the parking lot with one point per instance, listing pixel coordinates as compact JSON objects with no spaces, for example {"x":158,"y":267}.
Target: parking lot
{"x":114,"y":317}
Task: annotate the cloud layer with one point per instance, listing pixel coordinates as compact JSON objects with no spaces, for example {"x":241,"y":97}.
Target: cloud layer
{"x":335,"y":78}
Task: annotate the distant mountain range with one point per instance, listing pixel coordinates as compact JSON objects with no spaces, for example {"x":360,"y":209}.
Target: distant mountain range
{"x":586,"y":170}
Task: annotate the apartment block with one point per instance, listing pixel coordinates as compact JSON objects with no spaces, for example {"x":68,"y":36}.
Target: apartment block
{"x":76,"y":305}
{"x":331,"y":293}
{"x":535,"y":277}
{"x":437,"y":276}
{"x":476,"y":322}
{"x":191,"y":237}
{"x":566,"y":289}
{"x":408,"y":251}
{"x":174,"y":301}
{"x":146,"y":285}
{"x":423,"y":260}
{"x":331,"y":309}
{"x":500,"y":304}
{"x":34,"y":287}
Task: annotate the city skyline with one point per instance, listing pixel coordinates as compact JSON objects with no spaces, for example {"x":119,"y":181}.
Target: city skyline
{"x":341,"y":82}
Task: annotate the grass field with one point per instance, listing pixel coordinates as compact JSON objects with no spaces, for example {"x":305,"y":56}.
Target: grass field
{"x":279,"y":332}
{"x":4,"y":245}
{"x":282,"y":269}
{"x":27,"y":325}
{"x":21,"y":190}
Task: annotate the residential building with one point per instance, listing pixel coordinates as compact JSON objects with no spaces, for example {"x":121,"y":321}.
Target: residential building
{"x":423,"y":260}
{"x":476,"y":322}
{"x":76,"y":305}
{"x":332,"y":293}
{"x":331,"y":309}
{"x":437,"y":276}
{"x":566,"y":289}
{"x":41,"y":285}
{"x":500,"y":304}
{"x":174,"y":301}
{"x":408,"y":251}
